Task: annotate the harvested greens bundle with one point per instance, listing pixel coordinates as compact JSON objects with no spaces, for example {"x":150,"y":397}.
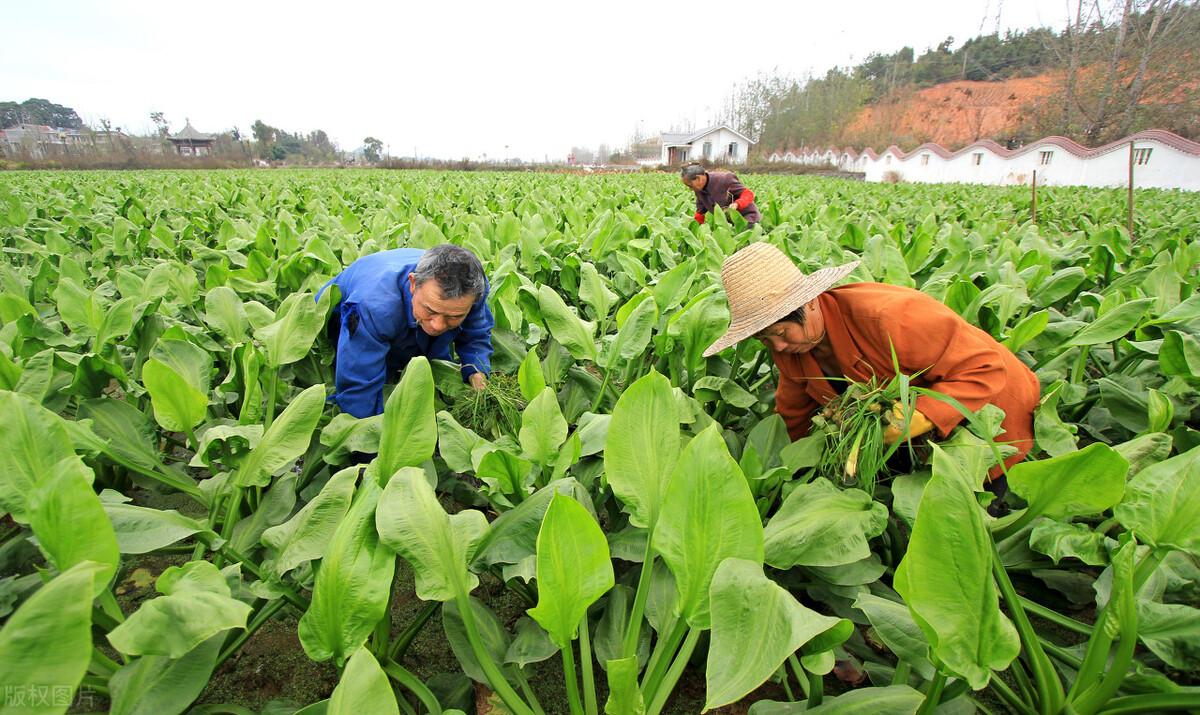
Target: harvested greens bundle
{"x":493,"y":411}
{"x":854,"y":424}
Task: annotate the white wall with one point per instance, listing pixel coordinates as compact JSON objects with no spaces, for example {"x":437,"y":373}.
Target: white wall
{"x":1167,"y":168}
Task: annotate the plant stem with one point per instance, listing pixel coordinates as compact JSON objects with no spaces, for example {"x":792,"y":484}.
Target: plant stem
{"x":523,"y":683}
{"x":1011,"y":699}
{"x":585,"y":662}
{"x":900,"y":677}
{"x":402,"y":642}
{"x":934,"y":694}
{"x":264,"y":614}
{"x":634,"y":627}
{"x":603,"y":386}
{"x":94,"y":683}
{"x":108,"y":604}
{"x":816,"y":689}
{"x":1152,"y":703}
{"x":1049,"y":687}
{"x":405,"y":678}
{"x":495,"y":678}
{"x":660,"y":659}
{"x":272,"y":383}
{"x":102,"y":665}
{"x":568,"y":659}
{"x":1055,"y":617}
{"x":668,"y":684}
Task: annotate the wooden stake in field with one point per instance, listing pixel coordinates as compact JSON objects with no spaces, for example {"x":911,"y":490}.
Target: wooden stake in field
{"x":1129,"y":224}
{"x":1035,"y":197}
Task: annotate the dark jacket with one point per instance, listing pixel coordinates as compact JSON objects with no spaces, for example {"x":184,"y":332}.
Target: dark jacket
{"x":721,"y":190}
{"x":377,"y":333}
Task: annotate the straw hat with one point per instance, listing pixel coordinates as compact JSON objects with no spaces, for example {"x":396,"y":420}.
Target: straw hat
{"x":763,"y":285}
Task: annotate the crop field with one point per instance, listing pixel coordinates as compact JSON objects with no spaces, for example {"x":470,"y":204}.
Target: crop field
{"x":618,"y":524}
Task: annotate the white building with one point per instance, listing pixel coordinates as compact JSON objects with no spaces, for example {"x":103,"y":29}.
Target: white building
{"x":1161,"y":160}
{"x":719,"y":143}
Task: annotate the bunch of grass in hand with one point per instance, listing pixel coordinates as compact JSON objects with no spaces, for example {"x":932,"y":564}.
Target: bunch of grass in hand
{"x":855,"y":454}
{"x":493,"y":411}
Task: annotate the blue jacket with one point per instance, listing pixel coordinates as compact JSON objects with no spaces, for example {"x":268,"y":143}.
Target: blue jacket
{"x":379,"y":333}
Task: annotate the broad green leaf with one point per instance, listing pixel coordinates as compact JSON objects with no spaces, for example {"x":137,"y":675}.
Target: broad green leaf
{"x":128,"y":432}
{"x":364,"y":689}
{"x":35,"y":440}
{"x":1052,"y":434}
{"x":225,"y":313}
{"x":352,"y":584}
{"x":158,"y":685}
{"x":531,"y":644}
{"x":946,"y":579}
{"x":1141,"y":452}
{"x":49,"y":639}
{"x":409,"y":433}
{"x":1114,"y":324}
{"x":642,"y":447}
{"x":624,"y":697}
{"x":285,"y":440}
{"x":512,"y":537}
{"x":1029,"y":328}
{"x":117,"y":323}
{"x":70,"y":523}
{"x":1162,"y":504}
{"x":140,"y":530}
{"x":634,"y":334}
{"x":888,"y":700}
{"x":593,"y":290}
{"x":273,"y":509}
{"x":177,"y":378}
{"x":573,"y":568}
{"x":1080,"y":483}
{"x":708,"y":515}
{"x":529,"y":375}
{"x":412,"y":523}
{"x":299,"y":320}
{"x":346,"y":434}
{"x":504,"y":471}
{"x":1180,"y":355}
{"x":1172,"y":632}
{"x":491,"y":632}
{"x":1058,"y":541}
{"x":543,"y":427}
{"x":574,"y":333}
{"x":821,"y":525}
{"x":304,"y":537}
{"x":456,"y":443}
{"x":196,"y":604}
{"x":894,"y":625}
{"x":756,"y":625}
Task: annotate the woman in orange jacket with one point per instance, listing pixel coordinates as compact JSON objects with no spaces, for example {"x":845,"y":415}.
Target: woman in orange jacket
{"x":818,"y":334}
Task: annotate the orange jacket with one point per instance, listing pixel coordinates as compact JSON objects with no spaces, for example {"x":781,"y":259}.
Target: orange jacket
{"x":864,"y":321}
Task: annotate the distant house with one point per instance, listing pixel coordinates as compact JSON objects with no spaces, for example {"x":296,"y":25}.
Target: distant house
{"x":189,"y":142}
{"x":719,"y":143}
{"x":39,"y":140}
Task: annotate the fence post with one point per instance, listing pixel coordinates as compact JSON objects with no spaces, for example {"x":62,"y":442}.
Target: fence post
{"x":1129,"y":223}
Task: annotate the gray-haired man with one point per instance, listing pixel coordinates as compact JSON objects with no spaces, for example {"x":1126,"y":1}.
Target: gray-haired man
{"x":406,"y":302}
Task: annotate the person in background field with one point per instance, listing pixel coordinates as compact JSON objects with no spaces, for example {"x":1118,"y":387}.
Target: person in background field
{"x":719,"y":188}
{"x":406,"y":302}
{"x":818,"y":334}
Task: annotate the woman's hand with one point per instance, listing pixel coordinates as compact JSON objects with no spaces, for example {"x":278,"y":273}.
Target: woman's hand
{"x":917,"y":425}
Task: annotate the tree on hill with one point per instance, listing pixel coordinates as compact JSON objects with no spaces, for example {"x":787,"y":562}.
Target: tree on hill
{"x":371,"y":149}
{"x":38,"y":111}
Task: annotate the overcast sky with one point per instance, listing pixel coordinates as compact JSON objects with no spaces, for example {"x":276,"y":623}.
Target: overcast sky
{"x":451,"y":79}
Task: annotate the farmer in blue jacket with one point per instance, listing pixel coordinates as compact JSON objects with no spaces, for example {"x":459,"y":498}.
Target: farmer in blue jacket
{"x":406,"y":302}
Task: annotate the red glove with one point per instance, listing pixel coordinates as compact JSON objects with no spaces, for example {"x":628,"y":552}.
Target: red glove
{"x":699,"y":217}
{"x":744,"y":200}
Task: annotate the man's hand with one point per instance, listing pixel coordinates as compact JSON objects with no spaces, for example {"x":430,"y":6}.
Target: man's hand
{"x":918,"y":424}
{"x":478,"y":380}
